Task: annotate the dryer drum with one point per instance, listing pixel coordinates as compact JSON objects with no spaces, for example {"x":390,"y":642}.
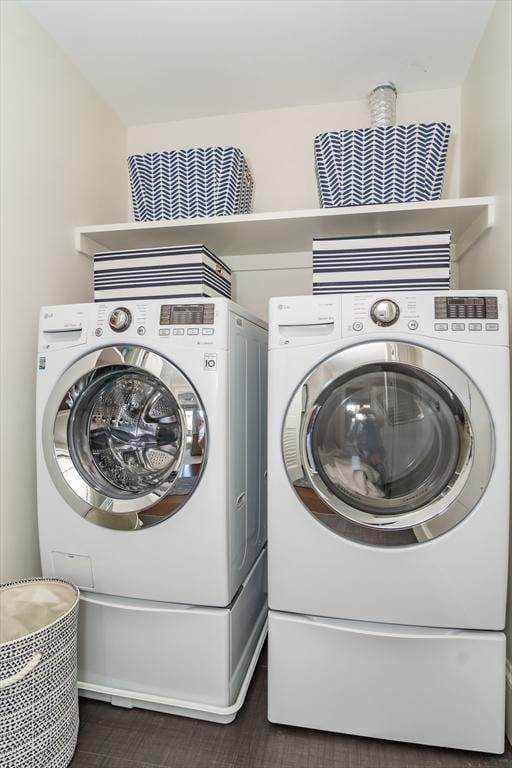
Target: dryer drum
{"x":388,"y":443}
{"x":124,"y":432}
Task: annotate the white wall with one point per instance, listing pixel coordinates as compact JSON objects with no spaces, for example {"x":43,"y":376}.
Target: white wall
{"x":63,"y":155}
{"x":486,"y":149}
{"x":278,"y":144}
{"x":486,"y":169}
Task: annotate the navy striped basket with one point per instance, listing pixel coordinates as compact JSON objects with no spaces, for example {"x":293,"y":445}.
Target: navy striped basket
{"x":393,"y":164}
{"x":189,"y":271}
{"x":418,"y":261}
{"x":38,"y":673}
{"x":188,"y":183}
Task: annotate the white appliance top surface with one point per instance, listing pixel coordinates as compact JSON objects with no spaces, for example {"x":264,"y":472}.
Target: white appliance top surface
{"x":473,"y":317}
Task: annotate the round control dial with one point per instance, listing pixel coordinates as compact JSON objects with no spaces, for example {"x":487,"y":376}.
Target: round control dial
{"x":120,"y":319}
{"x":385,"y":312}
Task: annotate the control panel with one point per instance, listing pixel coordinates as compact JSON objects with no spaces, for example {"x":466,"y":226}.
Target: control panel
{"x":195,"y":324}
{"x":160,"y":325}
{"x":422,"y":312}
{"x":471,"y":316}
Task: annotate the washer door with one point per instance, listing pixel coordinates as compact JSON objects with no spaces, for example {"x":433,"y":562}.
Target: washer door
{"x":125,"y":438}
{"x":388,"y":443}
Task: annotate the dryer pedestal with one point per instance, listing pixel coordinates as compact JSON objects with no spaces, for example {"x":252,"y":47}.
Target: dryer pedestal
{"x":427,"y":686}
{"x":181,"y":659}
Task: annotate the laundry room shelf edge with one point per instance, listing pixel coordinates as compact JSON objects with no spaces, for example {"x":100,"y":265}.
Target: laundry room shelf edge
{"x":289,"y":232}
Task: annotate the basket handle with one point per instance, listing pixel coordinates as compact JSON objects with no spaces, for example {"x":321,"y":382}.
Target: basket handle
{"x":26,"y":670}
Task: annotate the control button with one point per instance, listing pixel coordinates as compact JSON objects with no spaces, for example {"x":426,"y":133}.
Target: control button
{"x":141,"y":330}
{"x":385,"y":312}
{"x":120,"y":319}
{"x":358,"y":326}
{"x":207,"y":331}
{"x":98,"y":332}
{"x":441,"y":326}
{"x":164,"y":332}
{"x":178,"y":331}
{"x":413,"y":324}
{"x":193,"y":332}
{"x":491,"y":307}
{"x":492,"y":327}
{"x":458,"y":326}
{"x":475,"y":326}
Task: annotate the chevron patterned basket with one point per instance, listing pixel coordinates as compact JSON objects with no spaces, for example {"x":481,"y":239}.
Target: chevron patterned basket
{"x":188,"y":183}
{"x":38,"y":673}
{"x":393,"y":164}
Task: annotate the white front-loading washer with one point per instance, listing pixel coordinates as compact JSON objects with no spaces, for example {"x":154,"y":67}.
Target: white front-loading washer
{"x":389,"y":505}
{"x":151,"y":492}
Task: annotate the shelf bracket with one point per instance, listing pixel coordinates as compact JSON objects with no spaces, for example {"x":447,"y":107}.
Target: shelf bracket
{"x":474,"y":232}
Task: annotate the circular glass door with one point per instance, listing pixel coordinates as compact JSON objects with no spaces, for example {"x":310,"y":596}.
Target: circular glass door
{"x":393,"y":444}
{"x":129,"y":438}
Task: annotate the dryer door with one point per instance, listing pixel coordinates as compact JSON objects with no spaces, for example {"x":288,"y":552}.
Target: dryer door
{"x":388,"y":443}
{"x":125,"y":437}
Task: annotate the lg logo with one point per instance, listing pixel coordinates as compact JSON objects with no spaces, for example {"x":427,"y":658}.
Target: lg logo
{"x":210,"y":362}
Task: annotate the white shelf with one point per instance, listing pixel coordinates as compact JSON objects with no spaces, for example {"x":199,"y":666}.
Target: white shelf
{"x":287,"y":232}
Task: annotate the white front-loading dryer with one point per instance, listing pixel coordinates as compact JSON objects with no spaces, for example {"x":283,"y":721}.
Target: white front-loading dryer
{"x":389,"y":515}
{"x":389,"y":460}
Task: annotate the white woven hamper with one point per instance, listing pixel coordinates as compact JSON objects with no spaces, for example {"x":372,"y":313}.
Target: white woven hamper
{"x":38,"y":673}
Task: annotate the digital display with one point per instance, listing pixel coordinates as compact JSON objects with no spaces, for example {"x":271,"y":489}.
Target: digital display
{"x":466,"y":307}
{"x":187,"y":314}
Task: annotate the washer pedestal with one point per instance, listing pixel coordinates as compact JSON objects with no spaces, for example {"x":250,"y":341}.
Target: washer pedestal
{"x":428,"y":686}
{"x":181,"y":659}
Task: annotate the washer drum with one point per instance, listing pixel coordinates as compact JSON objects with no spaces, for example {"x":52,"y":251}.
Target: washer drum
{"x":38,"y":673}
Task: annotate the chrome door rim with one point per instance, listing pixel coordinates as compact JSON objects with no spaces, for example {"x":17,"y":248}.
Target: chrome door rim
{"x":73,"y":487}
{"x":473,"y":469}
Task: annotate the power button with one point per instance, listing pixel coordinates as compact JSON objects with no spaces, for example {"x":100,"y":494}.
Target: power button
{"x":358,"y":326}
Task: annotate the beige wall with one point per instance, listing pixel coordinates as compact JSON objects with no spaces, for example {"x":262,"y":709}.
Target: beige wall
{"x":486,"y":149}
{"x":278,"y":144}
{"x":62,"y":163}
{"x":486,"y":169}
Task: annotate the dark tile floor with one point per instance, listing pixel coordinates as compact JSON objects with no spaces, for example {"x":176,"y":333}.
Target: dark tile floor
{"x":111,"y":737}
